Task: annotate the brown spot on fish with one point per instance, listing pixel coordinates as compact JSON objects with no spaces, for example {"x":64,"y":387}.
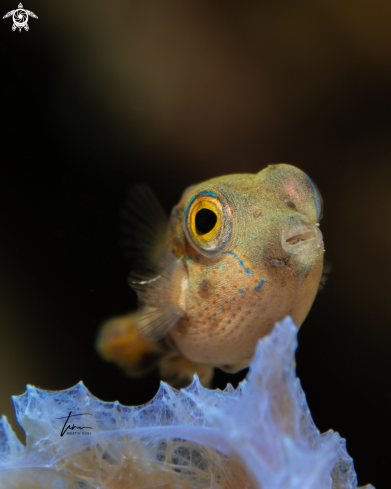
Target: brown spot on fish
{"x":205,"y":285}
{"x":205,"y":289}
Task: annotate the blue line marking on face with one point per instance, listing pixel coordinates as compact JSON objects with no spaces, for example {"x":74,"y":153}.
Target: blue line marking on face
{"x":261,"y":284}
{"x":247,"y":270}
{"x":192,"y":199}
{"x":208,"y":193}
{"x":241,"y":291}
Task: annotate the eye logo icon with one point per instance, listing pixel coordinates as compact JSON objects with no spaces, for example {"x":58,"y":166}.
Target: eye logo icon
{"x":20,"y":17}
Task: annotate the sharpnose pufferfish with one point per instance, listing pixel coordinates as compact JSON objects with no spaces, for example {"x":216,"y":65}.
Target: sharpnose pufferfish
{"x":239,"y":253}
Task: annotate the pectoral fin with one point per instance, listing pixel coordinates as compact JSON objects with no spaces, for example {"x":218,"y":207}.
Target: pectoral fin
{"x":154,"y":267}
{"x":156,"y":322}
{"x":143,"y":229}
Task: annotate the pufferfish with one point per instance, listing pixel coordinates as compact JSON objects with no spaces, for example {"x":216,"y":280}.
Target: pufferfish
{"x":238,"y":253}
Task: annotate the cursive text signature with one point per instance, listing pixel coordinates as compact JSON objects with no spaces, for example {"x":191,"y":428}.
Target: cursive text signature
{"x":67,"y":427}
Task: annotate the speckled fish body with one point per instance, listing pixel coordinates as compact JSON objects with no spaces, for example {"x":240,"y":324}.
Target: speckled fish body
{"x":269,"y":266}
{"x":240,"y":253}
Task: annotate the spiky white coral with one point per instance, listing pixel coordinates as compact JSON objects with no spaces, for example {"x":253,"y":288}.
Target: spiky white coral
{"x":260,"y":435}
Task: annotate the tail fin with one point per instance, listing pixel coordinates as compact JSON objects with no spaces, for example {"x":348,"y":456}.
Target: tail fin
{"x":119,"y":342}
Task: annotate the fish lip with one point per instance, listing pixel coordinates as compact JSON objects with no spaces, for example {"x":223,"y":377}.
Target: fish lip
{"x":298,"y":236}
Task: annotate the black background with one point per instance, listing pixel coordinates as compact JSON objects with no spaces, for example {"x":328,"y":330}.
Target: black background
{"x":68,"y":157}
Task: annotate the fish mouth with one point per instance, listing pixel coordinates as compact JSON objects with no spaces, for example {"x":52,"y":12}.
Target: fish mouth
{"x":299,"y":236}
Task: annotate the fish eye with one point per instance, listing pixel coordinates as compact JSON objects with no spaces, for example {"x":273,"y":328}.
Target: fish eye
{"x":207,"y":222}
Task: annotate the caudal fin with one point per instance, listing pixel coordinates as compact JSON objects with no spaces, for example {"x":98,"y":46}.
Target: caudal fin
{"x":119,"y":341}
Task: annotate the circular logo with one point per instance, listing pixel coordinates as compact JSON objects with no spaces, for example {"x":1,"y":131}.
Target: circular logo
{"x":20,"y":18}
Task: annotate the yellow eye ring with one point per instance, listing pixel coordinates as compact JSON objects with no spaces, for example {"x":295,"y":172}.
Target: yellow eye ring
{"x":207,"y":222}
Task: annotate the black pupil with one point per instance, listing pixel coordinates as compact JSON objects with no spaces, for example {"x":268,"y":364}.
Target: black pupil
{"x":205,"y":221}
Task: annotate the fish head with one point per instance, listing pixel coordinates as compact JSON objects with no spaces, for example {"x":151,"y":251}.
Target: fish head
{"x":252,"y":252}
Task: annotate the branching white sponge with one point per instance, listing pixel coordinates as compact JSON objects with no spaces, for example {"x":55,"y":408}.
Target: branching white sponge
{"x":259,"y":436}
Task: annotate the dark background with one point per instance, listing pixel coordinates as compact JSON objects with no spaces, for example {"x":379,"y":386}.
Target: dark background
{"x":98,"y":95}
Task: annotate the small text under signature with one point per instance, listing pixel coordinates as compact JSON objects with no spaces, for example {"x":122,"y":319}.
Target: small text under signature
{"x":67,"y":426}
